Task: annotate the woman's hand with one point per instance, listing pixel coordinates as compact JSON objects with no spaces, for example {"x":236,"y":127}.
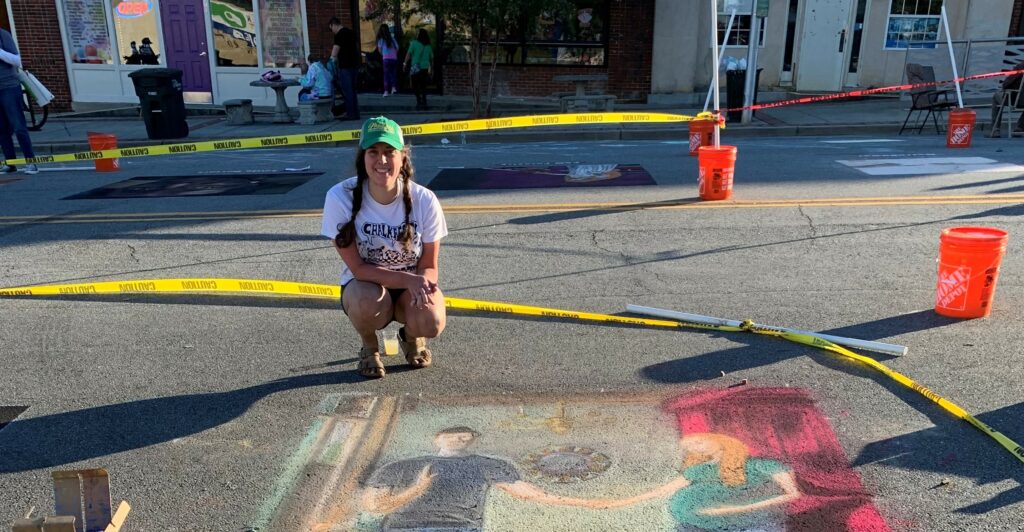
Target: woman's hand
{"x":421,"y":290}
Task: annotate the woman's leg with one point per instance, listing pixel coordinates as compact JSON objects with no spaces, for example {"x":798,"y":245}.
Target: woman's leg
{"x":419,"y":83}
{"x":369,"y":308}
{"x":389,"y":74}
{"x":420,"y":324}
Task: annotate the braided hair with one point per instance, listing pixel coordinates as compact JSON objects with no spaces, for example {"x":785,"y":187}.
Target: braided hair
{"x":347,"y":232}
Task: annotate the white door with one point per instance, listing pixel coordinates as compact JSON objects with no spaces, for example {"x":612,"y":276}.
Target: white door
{"x":824,"y":42}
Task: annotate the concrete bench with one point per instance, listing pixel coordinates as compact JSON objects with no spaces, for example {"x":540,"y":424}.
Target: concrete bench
{"x":315,"y":111}
{"x":587,"y":102}
{"x":239,"y":112}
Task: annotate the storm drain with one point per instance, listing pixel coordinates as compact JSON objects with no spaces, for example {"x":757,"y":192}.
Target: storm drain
{"x":9,"y":414}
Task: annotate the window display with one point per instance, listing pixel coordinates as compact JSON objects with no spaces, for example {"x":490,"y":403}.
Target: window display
{"x":135,"y":28}
{"x":86,"y":26}
{"x":234,"y":33}
{"x":283,"y":33}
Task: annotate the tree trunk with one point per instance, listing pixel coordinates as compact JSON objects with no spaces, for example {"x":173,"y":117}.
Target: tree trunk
{"x":490,"y":78}
{"x":477,"y":46}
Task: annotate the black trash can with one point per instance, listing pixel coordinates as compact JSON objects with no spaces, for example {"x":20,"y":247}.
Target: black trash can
{"x":163,"y":104}
{"x":734,"y":83}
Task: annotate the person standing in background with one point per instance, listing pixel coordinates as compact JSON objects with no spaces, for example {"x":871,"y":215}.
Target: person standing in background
{"x":419,"y":61}
{"x":12,"y":116}
{"x":389,"y":53}
{"x":346,"y":58}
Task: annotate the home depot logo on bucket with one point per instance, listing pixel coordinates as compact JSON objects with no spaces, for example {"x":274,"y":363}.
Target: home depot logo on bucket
{"x":694,"y":141}
{"x":951,"y":292}
{"x":961,"y":134}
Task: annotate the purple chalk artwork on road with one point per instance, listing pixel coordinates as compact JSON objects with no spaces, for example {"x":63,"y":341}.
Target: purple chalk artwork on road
{"x":558,"y":175}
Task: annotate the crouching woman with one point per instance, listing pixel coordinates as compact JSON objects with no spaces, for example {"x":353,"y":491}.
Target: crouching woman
{"x":387,"y":230}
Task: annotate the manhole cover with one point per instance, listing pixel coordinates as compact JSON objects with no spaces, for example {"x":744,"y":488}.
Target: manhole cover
{"x":9,"y":414}
{"x":566,"y":464}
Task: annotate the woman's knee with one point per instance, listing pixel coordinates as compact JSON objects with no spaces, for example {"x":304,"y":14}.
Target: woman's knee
{"x":426,"y":323}
{"x":366,"y":302}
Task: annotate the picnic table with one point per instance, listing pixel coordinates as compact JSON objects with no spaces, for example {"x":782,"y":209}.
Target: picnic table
{"x":581,"y":98}
{"x":282,"y":115}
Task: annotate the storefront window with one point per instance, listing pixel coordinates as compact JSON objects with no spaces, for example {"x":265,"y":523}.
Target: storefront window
{"x":87,"y":36}
{"x":135,"y":28}
{"x":739,"y":35}
{"x":283,"y":33}
{"x":912,"y":23}
{"x":573,"y":36}
{"x":234,"y":33}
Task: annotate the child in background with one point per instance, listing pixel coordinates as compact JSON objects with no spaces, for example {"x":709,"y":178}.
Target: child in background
{"x":389,"y":52}
{"x":317,"y":81}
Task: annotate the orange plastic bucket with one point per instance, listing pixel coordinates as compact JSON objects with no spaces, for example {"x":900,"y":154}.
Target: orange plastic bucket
{"x":969,"y":260}
{"x":104,"y":141}
{"x":716,"y":171}
{"x":961,"y":128}
{"x":701,"y":133}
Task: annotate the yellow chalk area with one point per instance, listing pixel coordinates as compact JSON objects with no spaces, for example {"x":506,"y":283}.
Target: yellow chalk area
{"x":348,"y":135}
{"x":323,"y":291}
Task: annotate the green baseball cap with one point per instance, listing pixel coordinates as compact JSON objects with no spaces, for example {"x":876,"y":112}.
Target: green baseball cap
{"x":381,"y":129}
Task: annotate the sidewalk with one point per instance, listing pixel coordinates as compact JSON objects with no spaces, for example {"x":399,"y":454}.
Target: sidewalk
{"x":871,"y":116}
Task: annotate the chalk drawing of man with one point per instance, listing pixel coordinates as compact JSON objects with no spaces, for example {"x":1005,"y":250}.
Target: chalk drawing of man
{"x":446,"y":492}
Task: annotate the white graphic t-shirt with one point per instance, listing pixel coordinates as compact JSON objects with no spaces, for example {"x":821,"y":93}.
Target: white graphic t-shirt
{"x":378,"y":226}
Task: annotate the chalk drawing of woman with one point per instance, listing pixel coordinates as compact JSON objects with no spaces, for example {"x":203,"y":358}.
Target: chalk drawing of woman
{"x":723,"y":488}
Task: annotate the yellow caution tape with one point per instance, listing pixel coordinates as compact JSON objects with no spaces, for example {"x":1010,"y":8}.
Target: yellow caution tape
{"x":461,"y":126}
{"x":324,"y":291}
{"x":719,"y":119}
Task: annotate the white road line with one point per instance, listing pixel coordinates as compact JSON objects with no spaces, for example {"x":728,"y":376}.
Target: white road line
{"x":931,"y":165}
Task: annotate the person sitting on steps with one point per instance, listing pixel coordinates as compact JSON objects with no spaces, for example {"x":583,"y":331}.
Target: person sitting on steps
{"x":1010,"y":83}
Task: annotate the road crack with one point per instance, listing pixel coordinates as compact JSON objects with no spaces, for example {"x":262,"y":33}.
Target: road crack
{"x":131,"y":253}
{"x":810,"y":222}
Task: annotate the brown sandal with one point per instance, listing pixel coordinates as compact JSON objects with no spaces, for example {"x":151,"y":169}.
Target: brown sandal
{"x":416,"y":352}
{"x":370,"y":365}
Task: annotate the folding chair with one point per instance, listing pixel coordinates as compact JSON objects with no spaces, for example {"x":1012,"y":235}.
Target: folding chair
{"x":1011,"y":101}
{"x":932,"y":101}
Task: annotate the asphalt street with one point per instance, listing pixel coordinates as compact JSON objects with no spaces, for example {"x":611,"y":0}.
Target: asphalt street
{"x":204,"y":408}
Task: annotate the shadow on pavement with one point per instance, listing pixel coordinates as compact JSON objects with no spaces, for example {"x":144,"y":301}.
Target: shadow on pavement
{"x":68,"y":437}
{"x":587,"y":213}
{"x":763,"y":350}
{"x":1009,"y":210}
{"x":976,"y":184}
{"x":955,"y":448}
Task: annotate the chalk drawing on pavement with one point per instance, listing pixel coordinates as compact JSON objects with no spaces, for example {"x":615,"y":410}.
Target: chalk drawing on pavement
{"x":740,"y":458}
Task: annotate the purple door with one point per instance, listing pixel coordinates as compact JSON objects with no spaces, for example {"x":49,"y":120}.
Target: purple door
{"x":185,"y":43}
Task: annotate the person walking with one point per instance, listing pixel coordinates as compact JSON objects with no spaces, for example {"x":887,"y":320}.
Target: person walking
{"x":346,"y":58}
{"x":419,"y":61}
{"x":388,"y":49}
{"x":387,"y":230}
{"x":12,"y":116}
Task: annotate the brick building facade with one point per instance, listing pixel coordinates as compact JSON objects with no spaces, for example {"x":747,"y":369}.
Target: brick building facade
{"x":627,"y":55}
